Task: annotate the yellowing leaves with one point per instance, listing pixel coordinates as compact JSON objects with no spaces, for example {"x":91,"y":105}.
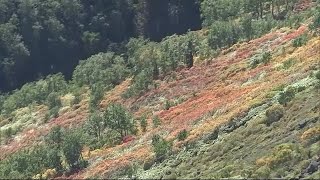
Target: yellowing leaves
{"x":312,"y":134}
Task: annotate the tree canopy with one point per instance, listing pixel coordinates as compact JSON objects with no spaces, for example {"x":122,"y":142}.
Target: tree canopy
{"x":38,"y":37}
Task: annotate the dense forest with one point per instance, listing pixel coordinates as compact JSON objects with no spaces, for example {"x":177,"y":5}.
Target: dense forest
{"x":40,"y":37}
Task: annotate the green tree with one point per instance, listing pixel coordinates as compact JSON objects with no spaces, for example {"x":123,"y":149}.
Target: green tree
{"x":91,"y":41}
{"x":315,"y":25}
{"x":36,"y":159}
{"x":141,"y":82}
{"x":223,"y":34}
{"x":53,"y":113}
{"x":143,"y":122}
{"x":247,"y":28}
{"x":189,"y":54}
{"x":2,"y":100}
{"x":161,"y":147}
{"x":135,"y":47}
{"x":219,"y":10}
{"x":252,"y":7}
{"x":287,"y":95}
{"x":182,"y":135}
{"x":156,"y":121}
{"x":8,"y":133}
{"x":55,"y":137}
{"x":13,"y":51}
{"x":141,"y":18}
{"x":97,"y":93}
{"x":54,"y":159}
{"x":95,"y":125}
{"x":300,"y":41}
{"x":106,"y":69}
{"x":72,"y":148}
{"x":266,"y":57}
{"x":20,"y":162}
{"x":53,"y":100}
{"x":118,"y":118}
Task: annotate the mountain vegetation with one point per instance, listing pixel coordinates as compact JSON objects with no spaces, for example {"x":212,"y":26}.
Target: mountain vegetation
{"x":45,"y":37}
{"x":159,"y":89}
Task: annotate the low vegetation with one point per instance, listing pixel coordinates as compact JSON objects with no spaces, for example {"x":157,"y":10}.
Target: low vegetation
{"x":60,"y":146}
{"x":287,"y":95}
{"x":274,"y":114}
{"x":150,"y":105}
{"x":162,"y":148}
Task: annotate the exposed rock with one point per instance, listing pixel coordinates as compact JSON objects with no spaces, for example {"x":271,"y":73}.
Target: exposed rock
{"x":176,"y":163}
{"x":302,"y":123}
{"x":312,"y":167}
{"x":242,"y":120}
{"x":171,"y":176}
{"x":212,"y":136}
{"x":168,"y":172}
{"x":305,"y":122}
{"x":148,"y":164}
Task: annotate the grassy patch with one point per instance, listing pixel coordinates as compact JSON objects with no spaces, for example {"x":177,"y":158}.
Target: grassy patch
{"x":289,"y":63}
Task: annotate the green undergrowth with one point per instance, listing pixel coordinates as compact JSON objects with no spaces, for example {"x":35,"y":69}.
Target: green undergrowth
{"x":256,"y":149}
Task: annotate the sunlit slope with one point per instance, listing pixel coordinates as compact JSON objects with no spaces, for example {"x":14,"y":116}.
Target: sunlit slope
{"x":248,"y":147}
{"x":209,"y":95}
{"x":227,"y":91}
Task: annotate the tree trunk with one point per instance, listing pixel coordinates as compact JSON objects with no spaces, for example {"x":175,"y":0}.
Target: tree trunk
{"x":121,"y":134}
{"x":155,"y":66}
{"x":261,"y":9}
{"x":155,"y":70}
{"x":272,"y":8}
{"x":258,"y":11}
{"x":99,"y":134}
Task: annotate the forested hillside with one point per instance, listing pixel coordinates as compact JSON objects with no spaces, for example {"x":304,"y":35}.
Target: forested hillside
{"x":44,"y":37}
{"x":159,"y":89}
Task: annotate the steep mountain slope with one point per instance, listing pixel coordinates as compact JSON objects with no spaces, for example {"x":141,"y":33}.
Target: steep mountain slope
{"x":249,"y":148}
{"x":231,"y":107}
{"x":224,"y":94}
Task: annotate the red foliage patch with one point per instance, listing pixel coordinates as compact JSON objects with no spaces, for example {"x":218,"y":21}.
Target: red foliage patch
{"x":303,"y":5}
{"x":295,"y":34}
{"x":128,"y":138}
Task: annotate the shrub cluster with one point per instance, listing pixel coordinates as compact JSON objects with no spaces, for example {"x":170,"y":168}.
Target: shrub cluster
{"x":259,"y":59}
{"x":274,"y":114}
{"x":59,"y":145}
{"x":287,"y":95}
{"x":300,"y":41}
{"x":161,"y":147}
{"x":45,"y":91}
{"x":182,"y":135}
{"x":106,"y":68}
{"x":110,"y":126}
